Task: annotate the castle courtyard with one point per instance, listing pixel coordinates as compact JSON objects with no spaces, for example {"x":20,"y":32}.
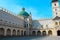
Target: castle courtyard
{"x":23,"y":24}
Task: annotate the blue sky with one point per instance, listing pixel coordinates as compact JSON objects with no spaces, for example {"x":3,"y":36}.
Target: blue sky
{"x":40,"y":9}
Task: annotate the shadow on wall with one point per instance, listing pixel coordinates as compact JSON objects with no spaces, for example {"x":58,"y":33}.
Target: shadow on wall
{"x":23,"y":38}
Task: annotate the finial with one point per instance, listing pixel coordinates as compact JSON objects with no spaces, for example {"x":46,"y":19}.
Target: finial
{"x":23,"y":9}
{"x":30,"y":12}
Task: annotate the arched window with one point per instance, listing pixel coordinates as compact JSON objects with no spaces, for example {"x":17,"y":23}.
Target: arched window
{"x":56,"y":23}
{"x":41,"y":26}
{"x":56,"y":13}
{"x":46,"y":26}
{"x":55,"y":4}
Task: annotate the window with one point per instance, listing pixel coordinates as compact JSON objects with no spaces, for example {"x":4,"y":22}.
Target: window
{"x":41,"y":26}
{"x":46,"y":26}
{"x":56,"y":13}
{"x":59,"y":23}
{"x":56,"y":23}
{"x":27,"y":25}
{"x":55,"y":9}
{"x":55,"y":4}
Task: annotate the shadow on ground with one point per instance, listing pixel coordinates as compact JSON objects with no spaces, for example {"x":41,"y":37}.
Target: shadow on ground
{"x":23,"y":38}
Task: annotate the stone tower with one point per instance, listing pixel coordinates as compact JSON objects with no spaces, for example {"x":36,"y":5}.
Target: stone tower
{"x":30,"y":24}
{"x":27,"y":20}
{"x":55,"y":8}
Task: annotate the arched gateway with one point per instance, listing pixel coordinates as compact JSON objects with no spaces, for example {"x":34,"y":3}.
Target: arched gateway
{"x":58,"y":33}
{"x":49,"y":32}
{"x":39,"y":33}
{"x":21,"y":32}
{"x":24,"y":33}
{"x":18,"y":32}
{"x":8,"y":32}
{"x":44,"y":33}
{"x":33,"y":33}
{"x":1,"y":31}
{"x":14,"y":32}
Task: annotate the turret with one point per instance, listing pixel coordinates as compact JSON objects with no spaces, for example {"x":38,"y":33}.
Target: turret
{"x":55,"y":8}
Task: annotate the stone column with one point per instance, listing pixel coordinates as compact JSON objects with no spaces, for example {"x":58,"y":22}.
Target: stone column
{"x":27,"y":32}
{"x":4,"y":32}
{"x":41,"y":33}
{"x":20,"y":32}
{"x":23,"y":32}
{"x":11,"y":32}
{"x":28,"y":27}
{"x":31,"y":33}
{"x":54,"y":32}
{"x":47,"y":32}
{"x":16,"y":32}
{"x":36,"y":33}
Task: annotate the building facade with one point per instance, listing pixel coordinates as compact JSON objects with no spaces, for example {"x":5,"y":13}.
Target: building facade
{"x":23,"y":25}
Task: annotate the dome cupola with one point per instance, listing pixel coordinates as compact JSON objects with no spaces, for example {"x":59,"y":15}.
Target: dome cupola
{"x":23,"y":13}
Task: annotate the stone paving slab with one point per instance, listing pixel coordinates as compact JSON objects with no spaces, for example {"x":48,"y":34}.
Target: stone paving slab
{"x":31,"y":38}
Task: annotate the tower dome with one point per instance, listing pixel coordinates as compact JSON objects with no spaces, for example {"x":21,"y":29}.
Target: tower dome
{"x":23,"y":13}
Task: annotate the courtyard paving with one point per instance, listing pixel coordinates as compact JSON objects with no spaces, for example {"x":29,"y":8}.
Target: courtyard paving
{"x":31,"y":38}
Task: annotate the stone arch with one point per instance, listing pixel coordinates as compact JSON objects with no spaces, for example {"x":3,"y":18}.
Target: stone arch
{"x":18,"y":32}
{"x":44,"y":33}
{"x":1,"y":31}
{"x":33,"y":33}
{"x":21,"y":32}
{"x":58,"y":32}
{"x":14,"y":32}
{"x":24,"y":33}
{"x":8,"y":32}
{"x":38,"y":33}
{"x":50,"y":32}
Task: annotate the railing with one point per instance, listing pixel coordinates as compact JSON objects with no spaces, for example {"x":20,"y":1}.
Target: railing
{"x":3,"y":9}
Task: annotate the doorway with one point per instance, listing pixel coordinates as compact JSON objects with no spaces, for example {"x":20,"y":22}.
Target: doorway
{"x":58,"y":33}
